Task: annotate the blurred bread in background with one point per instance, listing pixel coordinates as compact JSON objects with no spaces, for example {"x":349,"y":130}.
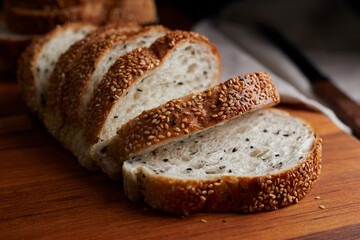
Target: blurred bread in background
{"x":22,"y":20}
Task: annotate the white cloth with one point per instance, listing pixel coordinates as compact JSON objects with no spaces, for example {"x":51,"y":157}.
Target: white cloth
{"x":244,"y":50}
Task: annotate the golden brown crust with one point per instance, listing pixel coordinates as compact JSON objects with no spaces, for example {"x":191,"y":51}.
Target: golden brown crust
{"x":126,"y":71}
{"x":196,"y":112}
{"x":231,"y":193}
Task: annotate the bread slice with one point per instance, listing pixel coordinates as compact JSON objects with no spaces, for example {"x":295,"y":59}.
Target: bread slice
{"x":11,"y":46}
{"x":263,"y":160}
{"x":174,"y":65}
{"x":180,"y":117}
{"x":38,"y":61}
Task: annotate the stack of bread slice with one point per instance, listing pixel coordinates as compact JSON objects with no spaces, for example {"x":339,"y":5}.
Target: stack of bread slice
{"x":121,"y":98}
{"x":23,"y":20}
{"x":38,"y":17}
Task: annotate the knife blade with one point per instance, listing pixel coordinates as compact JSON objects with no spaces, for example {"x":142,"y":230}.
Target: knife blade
{"x":345,"y":108}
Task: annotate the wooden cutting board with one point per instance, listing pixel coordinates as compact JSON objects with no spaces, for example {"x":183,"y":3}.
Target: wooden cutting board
{"x":45,"y":194}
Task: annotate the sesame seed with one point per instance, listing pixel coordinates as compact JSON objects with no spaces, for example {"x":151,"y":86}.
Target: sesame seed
{"x":189,"y":169}
{"x":317,"y":197}
{"x":166,"y":159}
{"x":174,"y":121}
{"x":277,"y":155}
{"x":322,"y":207}
{"x":222,"y":167}
{"x":203,"y":221}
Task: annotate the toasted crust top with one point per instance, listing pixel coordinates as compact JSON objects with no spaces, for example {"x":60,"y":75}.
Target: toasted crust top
{"x":196,"y":112}
{"x":126,"y":71}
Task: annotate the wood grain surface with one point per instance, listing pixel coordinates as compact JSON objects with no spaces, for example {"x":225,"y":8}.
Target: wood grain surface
{"x":45,"y":194}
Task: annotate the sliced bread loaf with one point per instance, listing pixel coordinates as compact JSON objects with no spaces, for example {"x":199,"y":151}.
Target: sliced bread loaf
{"x":263,"y":160}
{"x":180,"y":117}
{"x":38,"y":61}
{"x":53,"y":110}
{"x":174,"y":65}
{"x":87,"y":72}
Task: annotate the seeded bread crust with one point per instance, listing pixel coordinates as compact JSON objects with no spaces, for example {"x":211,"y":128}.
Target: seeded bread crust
{"x":126,"y":71}
{"x":27,"y":71}
{"x":55,"y":109}
{"x":80,"y":75}
{"x":192,"y":113}
{"x":227,"y":193}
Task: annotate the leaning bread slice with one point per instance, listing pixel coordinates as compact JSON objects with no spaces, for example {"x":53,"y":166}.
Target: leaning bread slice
{"x":264,"y":160}
{"x":173,"y":66}
{"x":186,"y":115}
{"x":38,"y":61}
